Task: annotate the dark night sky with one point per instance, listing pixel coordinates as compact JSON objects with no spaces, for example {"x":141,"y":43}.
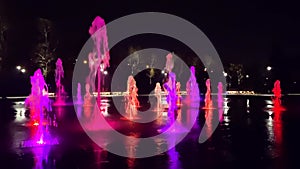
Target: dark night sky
{"x":242,"y":31}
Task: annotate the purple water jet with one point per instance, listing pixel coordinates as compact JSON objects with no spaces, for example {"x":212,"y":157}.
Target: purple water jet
{"x":192,"y":88}
{"x":39,"y":104}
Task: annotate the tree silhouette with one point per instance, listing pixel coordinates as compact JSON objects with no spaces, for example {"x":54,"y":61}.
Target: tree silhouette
{"x":44,"y":52}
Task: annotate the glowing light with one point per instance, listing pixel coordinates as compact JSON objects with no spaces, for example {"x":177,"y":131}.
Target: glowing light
{"x":269,"y":68}
{"x":85,"y":62}
{"x":205,"y":69}
{"x":18,"y":67}
{"x":105,"y":72}
{"x":247,"y":76}
{"x":225,"y":74}
{"x":147,"y":66}
{"x":23,"y":70}
{"x":162,"y":71}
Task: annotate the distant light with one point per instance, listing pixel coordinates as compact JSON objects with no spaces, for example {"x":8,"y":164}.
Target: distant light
{"x":211,"y":71}
{"x":162,"y":71}
{"x":269,"y":68}
{"x":85,"y":62}
{"x":23,"y":70}
{"x":205,"y":69}
{"x":267,"y":78}
{"x":166,"y":74}
{"x":295,"y":82}
{"x":101,"y":69}
{"x":18,"y":67}
{"x":105,"y":72}
{"x":225,"y":74}
{"x":247,"y":76}
{"x":147,"y":66}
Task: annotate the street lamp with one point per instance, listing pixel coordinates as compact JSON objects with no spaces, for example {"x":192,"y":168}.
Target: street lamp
{"x":20,"y":69}
{"x":269,"y":68}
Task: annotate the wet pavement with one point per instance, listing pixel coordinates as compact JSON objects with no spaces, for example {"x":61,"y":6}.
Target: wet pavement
{"x":251,"y":134}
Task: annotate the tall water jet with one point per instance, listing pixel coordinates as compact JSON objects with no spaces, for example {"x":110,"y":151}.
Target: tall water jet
{"x":87,"y":96}
{"x":38,"y":100}
{"x":208,"y":100}
{"x":60,"y":91}
{"x":192,"y":87}
{"x":98,"y":32}
{"x":277,"y":95}
{"x":39,"y":105}
{"x":79,"y":98}
{"x":157,"y":93}
{"x":170,"y":87}
{"x":132,"y":102}
{"x":220,"y":95}
{"x":178,"y":85}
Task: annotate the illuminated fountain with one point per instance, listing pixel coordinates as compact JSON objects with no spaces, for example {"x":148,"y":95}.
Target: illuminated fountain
{"x":157,"y":93}
{"x":220,"y":95}
{"x":131,"y":100}
{"x":178,"y":85}
{"x":170,"y":87}
{"x":277,"y":96}
{"x":60,"y":91}
{"x":79,"y":99}
{"x":192,"y":88}
{"x":99,"y":58}
{"x":39,"y":104}
{"x":208,"y":100}
{"x":87,"y":97}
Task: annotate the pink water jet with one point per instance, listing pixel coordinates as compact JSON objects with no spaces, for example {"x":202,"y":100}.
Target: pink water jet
{"x":99,"y":35}
{"x":79,"y":98}
{"x":220,"y":95}
{"x":88,"y":96}
{"x":60,"y":91}
{"x":131,"y":100}
{"x":208,"y":100}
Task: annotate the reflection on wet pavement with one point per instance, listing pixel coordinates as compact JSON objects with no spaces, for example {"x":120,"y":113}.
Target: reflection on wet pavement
{"x":252,"y":132}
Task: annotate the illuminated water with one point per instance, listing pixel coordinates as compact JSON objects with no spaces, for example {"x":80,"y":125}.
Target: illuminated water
{"x":250,"y":135}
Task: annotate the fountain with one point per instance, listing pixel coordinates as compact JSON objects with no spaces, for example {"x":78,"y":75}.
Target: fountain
{"x":79,"y":99}
{"x":132,"y":103}
{"x":60,"y":91}
{"x":277,"y":96}
{"x":87,"y":97}
{"x":39,"y":104}
{"x":208,"y":100}
{"x":101,"y":50}
{"x":170,"y":87}
{"x":192,"y":88}
{"x":178,"y":85}
{"x":38,"y":100}
{"x":157,"y":92}
{"x":220,"y":95}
